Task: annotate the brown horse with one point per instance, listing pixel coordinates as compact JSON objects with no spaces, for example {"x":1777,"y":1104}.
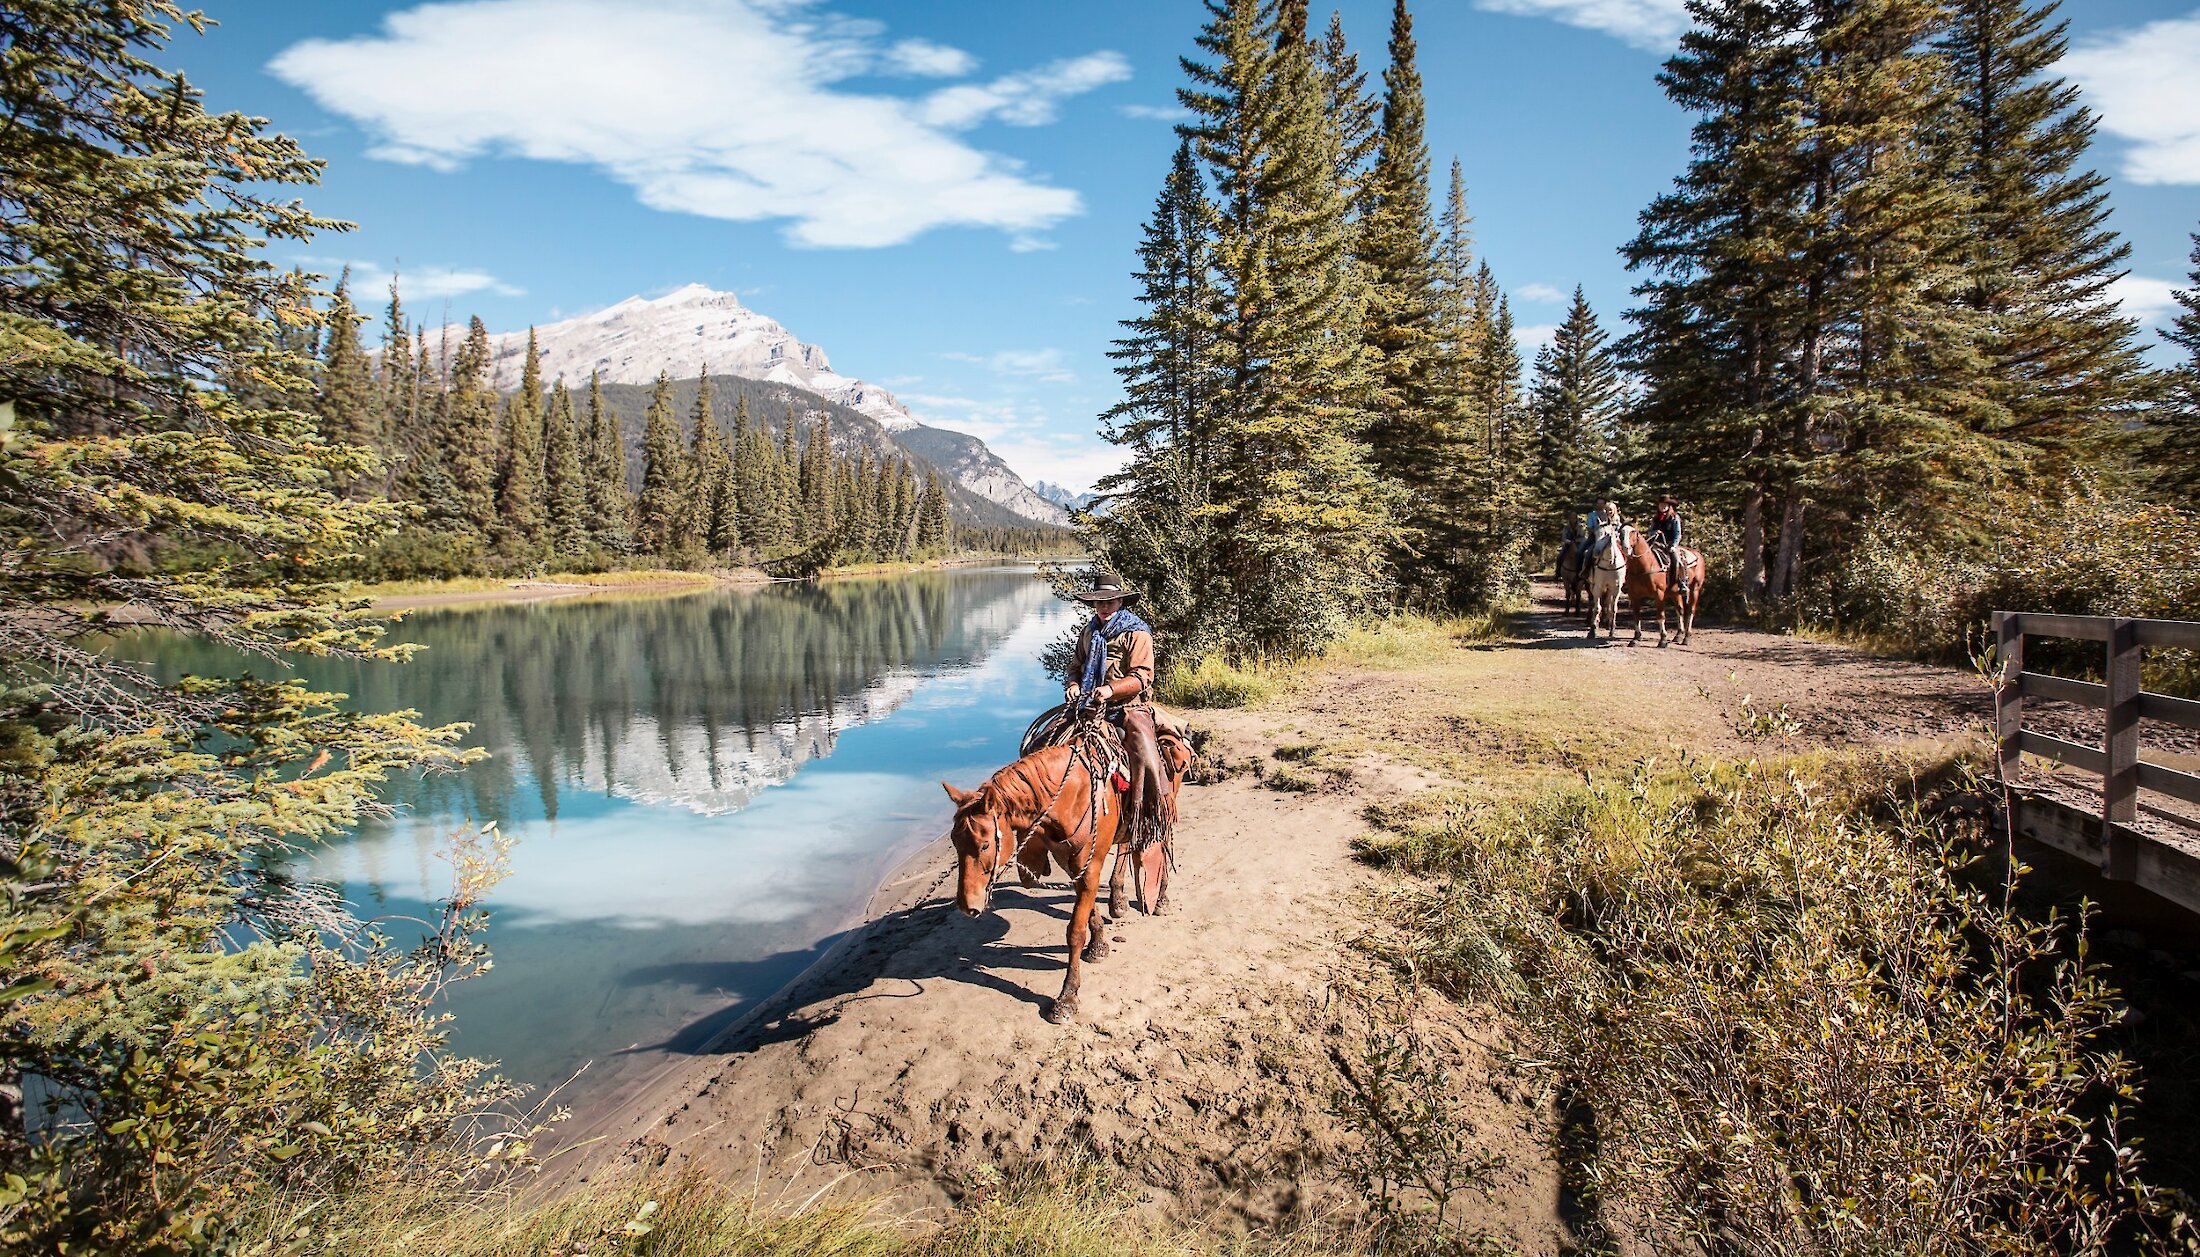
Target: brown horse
{"x":1573,"y":574}
{"x":1647,"y":581}
{"x":1052,"y":805}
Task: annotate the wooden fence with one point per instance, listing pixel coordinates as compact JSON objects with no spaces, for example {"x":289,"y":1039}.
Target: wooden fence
{"x":2116,"y":760}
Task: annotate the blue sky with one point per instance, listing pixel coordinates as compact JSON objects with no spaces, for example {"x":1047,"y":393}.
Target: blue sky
{"x":946,"y":195}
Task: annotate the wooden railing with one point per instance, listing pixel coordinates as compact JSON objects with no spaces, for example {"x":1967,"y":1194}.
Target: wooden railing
{"x":2116,"y":760}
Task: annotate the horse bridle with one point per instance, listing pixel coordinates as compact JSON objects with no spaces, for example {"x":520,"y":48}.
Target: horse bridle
{"x":1008,"y":852}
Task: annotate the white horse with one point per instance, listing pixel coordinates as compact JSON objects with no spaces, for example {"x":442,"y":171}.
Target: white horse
{"x":1607,"y":564}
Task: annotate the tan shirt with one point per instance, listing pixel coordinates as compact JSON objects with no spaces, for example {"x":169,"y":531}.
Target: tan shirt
{"x":1130,"y":655}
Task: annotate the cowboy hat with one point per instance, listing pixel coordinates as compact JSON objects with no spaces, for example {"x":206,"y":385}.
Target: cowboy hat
{"x":1669,"y":500}
{"x":1105,"y":589}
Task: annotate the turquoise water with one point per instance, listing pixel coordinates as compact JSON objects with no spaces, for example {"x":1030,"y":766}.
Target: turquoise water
{"x":704,"y":789}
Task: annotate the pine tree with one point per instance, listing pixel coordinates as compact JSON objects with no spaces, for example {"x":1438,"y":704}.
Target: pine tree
{"x":714,"y":519}
{"x":1157,"y":532}
{"x":520,"y":457}
{"x":766,"y":526}
{"x":1300,"y":520}
{"x":466,"y":433}
{"x":162,"y":984}
{"x":399,"y":381}
{"x":819,"y":482}
{"x":350,"y":408}
{"x":662,"y":520}
{"x":2173,"y":431}
{"x":788,"y":470}
{"x":2061,"y":363}
{"x":1576,"y":404}
{"x":934,"y":531}
{"x":1355,"y":114}
{"x":1410,"y":440}
{"x":610,"y":502}
{"x":565,"y":480}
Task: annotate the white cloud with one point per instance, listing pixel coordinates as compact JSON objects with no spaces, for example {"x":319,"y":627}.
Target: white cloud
{"x":421,"y":283}
{"x":2150,"y":301}
{"x":1025,"y":436}
{"x":2145,"y":83}
{"x":1651,"y":25}
{"x":1543,"y":293}
{"x":1037,"y":364}
{"x":1156,"y":113}
{"x":1029,"y":99}
{"x":729,"y":109}
{"x":1531,"y":339}
{"x":929,"y":60}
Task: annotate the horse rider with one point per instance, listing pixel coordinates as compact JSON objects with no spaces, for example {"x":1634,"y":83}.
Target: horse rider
{"x":1114,"y":668}
{"x":1665,"y":531}
{"x":1601,"y":515}
{"x":1570,"y":541}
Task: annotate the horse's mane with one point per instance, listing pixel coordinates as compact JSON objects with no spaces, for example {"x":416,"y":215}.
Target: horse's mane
{"x":1011,"y":787}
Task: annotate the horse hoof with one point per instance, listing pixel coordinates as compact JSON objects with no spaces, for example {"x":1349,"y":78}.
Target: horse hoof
{"x":1060,"y":1012}
{"x":1095,"y":952}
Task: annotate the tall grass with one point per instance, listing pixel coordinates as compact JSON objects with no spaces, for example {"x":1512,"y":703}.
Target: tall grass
{"x":1789,"y":1006}
{"x":1069,"y":1211}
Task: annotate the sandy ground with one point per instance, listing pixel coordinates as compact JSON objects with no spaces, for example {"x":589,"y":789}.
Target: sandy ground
{"x":913,"y":1056}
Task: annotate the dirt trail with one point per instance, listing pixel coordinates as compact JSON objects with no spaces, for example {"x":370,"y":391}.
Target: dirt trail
{"x":913,"y":1058}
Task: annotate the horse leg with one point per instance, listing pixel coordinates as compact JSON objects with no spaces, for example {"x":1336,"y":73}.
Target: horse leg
{"x":1064,"y":1007}
{"x":1116,"y":909}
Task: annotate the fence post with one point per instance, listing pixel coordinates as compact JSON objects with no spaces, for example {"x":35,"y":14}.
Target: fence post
{"x":2120,"y":742}
{"x":2009,"y":695}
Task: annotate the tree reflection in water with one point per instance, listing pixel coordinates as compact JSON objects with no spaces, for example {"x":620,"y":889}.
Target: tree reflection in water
{"x":660,"y":882}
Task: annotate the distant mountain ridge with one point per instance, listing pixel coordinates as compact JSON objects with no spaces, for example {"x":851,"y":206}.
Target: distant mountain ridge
{"x":1063,"y":496}
{"x":695,"y":328}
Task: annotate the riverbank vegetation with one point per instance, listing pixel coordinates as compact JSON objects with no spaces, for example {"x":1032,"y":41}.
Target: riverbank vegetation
{"x":1785,"y":1006}
{"x":1875,"y":348}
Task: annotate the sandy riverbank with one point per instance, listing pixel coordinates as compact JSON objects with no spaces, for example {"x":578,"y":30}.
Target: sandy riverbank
{"x":912,"y":1059}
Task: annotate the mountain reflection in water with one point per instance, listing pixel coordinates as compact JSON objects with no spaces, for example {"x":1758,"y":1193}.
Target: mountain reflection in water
{"x":703,"y":788}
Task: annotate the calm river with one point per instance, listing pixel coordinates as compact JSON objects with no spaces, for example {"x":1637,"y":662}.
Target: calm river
{"x":704,"y":789}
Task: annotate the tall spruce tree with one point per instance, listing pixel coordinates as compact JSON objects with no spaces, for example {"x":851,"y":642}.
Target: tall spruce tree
{"x":820,"y":482}
{"x":662,"y":521}
{"x":766,"y":526}
{"x":400,"y":379}
{"x":565,"y":479}
{"x":520,"y":457}
{"x":2061,"y":363}
{"x":935,"y":531}
{"x":1158,"y":532}
{"x":714,"y":520}
{"x":1410,"y":441}
{"x":1576,"y":404}
{"x":466,"y":433}
{"x":1355,"y":114}
{"x":2173,"y":428}
{"x":350,"y":408}
{"x":610,"y":502}
{"x":1301,"y":522}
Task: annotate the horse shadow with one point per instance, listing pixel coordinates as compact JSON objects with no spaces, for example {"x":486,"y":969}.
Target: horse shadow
{"x":930,"y":942}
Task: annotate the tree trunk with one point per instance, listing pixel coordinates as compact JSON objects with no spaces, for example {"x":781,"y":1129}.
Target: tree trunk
{"x":1789,"y":564}
{"x":1753,"y":546}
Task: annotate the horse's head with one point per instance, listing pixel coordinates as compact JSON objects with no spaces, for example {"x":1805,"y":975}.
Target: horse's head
{"x":982,"y":847}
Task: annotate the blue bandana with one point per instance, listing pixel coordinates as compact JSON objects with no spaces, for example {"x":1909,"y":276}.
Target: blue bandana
{"x":1096,"y":667}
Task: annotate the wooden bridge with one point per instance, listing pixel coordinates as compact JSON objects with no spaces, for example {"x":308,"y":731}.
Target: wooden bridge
{"x":2143,"y":823}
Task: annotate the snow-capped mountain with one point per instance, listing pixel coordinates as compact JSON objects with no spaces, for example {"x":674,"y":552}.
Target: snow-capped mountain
{"x":696,"y":328}
{"x":1063,"y":496}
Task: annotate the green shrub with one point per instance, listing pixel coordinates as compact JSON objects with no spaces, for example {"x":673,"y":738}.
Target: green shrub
{"x":1213,"y":683}
{"x":1792,"y":1015}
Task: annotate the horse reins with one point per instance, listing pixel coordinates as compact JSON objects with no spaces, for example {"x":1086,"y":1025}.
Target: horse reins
{"x":1076,"y":756}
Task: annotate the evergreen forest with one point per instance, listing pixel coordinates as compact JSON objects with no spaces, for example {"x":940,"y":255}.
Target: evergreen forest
{"x":1873,"y":347}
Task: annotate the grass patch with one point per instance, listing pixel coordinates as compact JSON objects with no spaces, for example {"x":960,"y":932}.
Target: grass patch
{"x":1214,"y":683}
{"x":1073,"y":1211}
{"x":1788,"y":1004}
